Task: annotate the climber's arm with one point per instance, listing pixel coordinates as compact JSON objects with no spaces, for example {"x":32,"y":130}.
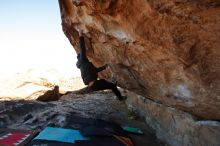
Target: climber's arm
{"x":101,"y":68}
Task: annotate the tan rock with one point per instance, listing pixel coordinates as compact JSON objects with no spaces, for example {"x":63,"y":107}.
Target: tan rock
{"x":168,"y":51}
{"x":50,"y":95}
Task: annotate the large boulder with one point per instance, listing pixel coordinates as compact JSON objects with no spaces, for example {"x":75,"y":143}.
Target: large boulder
{"x":168,"y":51}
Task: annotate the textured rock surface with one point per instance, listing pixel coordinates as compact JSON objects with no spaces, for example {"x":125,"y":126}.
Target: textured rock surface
{"x":173,"y":126}
{"x":37,"y":115}
{"x":168,"y":50}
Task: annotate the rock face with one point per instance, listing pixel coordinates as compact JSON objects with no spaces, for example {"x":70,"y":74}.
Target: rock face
{"x":168,"y":51}
{"x":175,"y":127}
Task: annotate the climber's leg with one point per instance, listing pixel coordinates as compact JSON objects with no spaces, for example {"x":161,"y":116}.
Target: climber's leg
{"x":103,"y":84}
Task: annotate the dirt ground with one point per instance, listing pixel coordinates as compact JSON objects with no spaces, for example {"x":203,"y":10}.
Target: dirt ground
{"x":23,"y":114}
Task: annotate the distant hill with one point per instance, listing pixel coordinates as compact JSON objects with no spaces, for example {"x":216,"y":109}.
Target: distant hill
{"x":33,"y":83}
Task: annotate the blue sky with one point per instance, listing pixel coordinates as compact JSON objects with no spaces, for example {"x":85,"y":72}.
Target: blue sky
{"x":31,"y":36}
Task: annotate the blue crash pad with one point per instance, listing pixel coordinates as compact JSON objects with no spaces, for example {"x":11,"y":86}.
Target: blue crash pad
{"x":60,"y":134}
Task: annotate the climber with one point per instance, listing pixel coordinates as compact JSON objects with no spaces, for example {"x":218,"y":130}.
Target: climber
{"x":89,"y":72}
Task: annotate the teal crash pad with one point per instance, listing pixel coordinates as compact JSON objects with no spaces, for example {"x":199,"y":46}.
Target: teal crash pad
{"x":60,"y":134}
